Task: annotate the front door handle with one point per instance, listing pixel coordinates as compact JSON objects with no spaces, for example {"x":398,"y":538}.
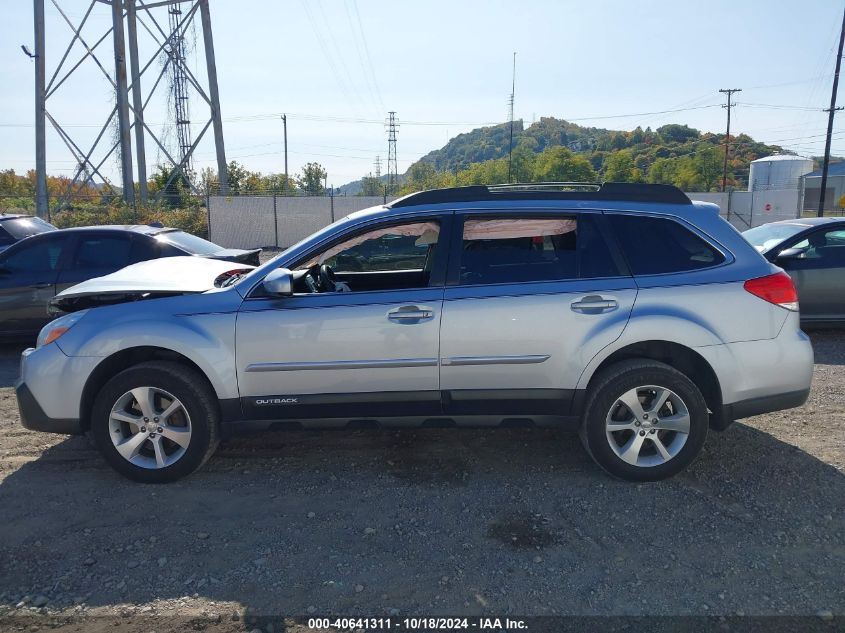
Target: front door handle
{"x":409,"y":314}
{"x":594,"y":304}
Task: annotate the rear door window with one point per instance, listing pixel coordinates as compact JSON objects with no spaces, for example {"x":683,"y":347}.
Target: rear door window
{"x":102,"y":251}
{"x":655,"y":246}
{"x":517,"y":249}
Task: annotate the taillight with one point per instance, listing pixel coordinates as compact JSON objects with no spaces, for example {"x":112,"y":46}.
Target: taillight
{"x":777,"y":289}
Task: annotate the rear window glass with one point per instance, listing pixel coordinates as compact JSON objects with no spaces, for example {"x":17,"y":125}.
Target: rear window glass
{"x":189,"y":243}
{"x":770,"y":235}
{"x":657,"y":245}
{"x":20,"y":228}
{"x":514,"y":250}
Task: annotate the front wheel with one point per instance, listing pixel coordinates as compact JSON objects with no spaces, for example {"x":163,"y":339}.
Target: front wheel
{"x":644,"y":420}
{"x":156,"y":422}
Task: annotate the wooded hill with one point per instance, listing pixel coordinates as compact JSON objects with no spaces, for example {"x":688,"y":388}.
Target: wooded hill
{"x":554,"y":149}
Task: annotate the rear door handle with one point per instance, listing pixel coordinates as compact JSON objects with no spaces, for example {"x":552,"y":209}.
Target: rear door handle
{"x":594,"y":304}
{"x":41,"y":285}
{"x":409,"y":314}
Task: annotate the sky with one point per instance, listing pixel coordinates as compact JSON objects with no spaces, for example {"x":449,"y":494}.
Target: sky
{"x":336,"y":67}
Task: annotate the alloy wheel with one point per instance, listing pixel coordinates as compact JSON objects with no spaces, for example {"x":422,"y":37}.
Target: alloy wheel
{"x":647,"y":426}
{"x":150,"y":427}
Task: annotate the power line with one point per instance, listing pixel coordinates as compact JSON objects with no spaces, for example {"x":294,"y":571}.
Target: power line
{"x":361,"y":61}
{"x":367,"y":53}
{"x":775,"y":106}
{"x":339,"y":78}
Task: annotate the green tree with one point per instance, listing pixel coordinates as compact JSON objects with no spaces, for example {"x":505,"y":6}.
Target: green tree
{"x":663,"y":171}
{"x":709,"y":166}
{"x":619,"y":167}
{"x":371,"y":186}
{"x":674,"y":133}
{"x":311,"y":179}
{"x":558,"y":164}
{"x":170,"y":186}
{"x":237,"y":175}
{"x":523,"y":164}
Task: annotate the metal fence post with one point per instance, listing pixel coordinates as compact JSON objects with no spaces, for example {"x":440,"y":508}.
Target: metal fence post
{"x":331,"y":202}
{"x":751,"y":212}
{"x":275,"y":221}
{"x":208,"y":212}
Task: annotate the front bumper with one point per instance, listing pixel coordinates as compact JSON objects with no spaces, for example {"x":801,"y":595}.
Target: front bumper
{"x":50,"y":388}
{"x":34,"y":418}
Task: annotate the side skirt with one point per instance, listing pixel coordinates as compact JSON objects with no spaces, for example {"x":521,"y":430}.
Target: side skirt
{"x":399,"y":409}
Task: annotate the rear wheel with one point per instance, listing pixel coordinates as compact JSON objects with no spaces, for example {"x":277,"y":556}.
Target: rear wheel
{"x":644,"y":420}
{"x":156,"y":422}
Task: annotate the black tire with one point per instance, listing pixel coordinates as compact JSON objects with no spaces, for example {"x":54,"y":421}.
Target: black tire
{"x":607,"y":387}
{"x":198,"y":398}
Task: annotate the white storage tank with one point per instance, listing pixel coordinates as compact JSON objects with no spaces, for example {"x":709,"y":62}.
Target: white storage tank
{"x":779,"y":171}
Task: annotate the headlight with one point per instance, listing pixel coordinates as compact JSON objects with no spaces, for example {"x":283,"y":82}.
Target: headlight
{"x":54,"y":329}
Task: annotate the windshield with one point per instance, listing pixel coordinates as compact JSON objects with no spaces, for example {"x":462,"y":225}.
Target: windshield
{"x":20,"y":228}
{"x":189,"y":243}
{"x":768,"y":236}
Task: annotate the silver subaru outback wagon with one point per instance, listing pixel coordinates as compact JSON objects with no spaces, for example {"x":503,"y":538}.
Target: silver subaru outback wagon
{"x":625,"y":312}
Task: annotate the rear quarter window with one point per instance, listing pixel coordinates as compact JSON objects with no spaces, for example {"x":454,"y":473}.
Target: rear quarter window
{"x":656,"y":246}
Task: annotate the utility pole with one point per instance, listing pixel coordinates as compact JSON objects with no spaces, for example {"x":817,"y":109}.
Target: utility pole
{"x":728,"y":106}
{"x":41,"y":204}
{"x":831,"y":111}
{"x":285,"y":124}
{"x":510,"y":116}
{"x":392,"y":166}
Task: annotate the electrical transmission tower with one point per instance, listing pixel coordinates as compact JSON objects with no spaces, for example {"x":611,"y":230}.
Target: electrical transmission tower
{"x":728,"y":105}
{"x":377,"y":166}
{"x":161,"y":36}
{"x":392,"y":166}
{"x":179,"y":95}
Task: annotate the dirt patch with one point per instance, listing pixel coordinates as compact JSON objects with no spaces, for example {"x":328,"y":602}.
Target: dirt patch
{"x":523,"y":530}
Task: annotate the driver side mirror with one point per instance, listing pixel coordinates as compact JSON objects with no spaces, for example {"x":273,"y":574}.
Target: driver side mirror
{"x":279,"y":282}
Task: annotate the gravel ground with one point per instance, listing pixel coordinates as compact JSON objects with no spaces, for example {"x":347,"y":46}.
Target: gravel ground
{"x":431,"y":522}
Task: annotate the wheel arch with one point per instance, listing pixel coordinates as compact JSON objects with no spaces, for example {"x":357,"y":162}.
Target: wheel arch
{"x":124,"y":359}
{"x":683,"y":358}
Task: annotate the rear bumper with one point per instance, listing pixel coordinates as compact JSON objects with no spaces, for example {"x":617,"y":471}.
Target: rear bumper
{"x":758,"y":406}
{"x":34,"y":418}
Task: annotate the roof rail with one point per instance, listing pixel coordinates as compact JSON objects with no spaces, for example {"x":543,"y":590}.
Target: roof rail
{"x":607,"y":191}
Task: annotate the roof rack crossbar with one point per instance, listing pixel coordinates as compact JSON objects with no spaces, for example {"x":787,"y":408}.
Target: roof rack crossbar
{"x":607,"y":191}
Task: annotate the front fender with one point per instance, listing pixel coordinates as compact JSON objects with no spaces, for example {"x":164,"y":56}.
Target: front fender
{"x":207,"y":339}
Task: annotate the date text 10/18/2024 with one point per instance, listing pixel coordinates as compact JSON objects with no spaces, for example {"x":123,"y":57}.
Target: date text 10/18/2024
{"x":418,"y":624}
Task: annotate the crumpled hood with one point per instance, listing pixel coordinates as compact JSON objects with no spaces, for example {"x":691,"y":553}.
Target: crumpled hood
{"x":156,"y":277}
